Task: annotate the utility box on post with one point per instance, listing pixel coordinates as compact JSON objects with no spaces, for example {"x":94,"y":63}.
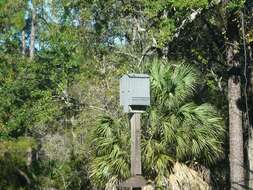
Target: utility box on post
{"x":134,"y":92}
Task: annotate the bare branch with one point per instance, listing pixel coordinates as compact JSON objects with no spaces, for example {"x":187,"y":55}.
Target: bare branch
{"x":23,"y":174}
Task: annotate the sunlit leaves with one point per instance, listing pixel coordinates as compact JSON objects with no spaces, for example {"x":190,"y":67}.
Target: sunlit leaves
{"x":249,"y":36}
{"x":12,"y":13}
{"x":17,"y":146}
{"x":26,"y":97}
{"x":110,"y":151}
{"x":190,"y":4}
{"x":235,"y":4}
{"x":172,"y":86}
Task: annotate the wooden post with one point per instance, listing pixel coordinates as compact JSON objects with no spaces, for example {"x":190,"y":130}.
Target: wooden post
{"x":136,"y":181}
{"x":136,"y":144}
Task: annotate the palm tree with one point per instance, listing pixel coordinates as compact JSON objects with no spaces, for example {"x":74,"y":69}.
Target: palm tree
{"x":175,"y":129}
{"x":178,"y":129}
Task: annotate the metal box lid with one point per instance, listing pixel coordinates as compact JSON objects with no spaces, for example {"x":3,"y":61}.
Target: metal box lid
{"x":134,"y":75}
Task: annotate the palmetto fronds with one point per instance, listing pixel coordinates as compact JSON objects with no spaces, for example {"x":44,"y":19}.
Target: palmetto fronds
{"x":175,"y":129}
{"x":184,"y":178}
{"x":172,"y":85}
{"x":112,"y":183}
{"x":110,"y":151}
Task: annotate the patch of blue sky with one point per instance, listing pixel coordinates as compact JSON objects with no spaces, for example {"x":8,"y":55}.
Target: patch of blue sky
{"x":119,"y":41}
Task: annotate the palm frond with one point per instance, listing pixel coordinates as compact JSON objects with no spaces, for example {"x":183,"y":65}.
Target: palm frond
{"x":206,"y":130}
{"x":172,"y":85}
{"x":112,"y":183}
{"x":111,"y":157}
{"x":184,"y":177}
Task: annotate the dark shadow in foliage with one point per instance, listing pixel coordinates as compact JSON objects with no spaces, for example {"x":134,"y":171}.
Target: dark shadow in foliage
{"x":13,"y":174}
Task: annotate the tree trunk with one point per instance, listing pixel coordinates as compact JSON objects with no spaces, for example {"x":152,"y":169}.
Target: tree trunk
{"x":236,"y":157}
{"x":23,"y":42}
{"x":236,"y":152}
{"x":250,"y":132}
{"x":32,"y":35}
{"x":235,"y":135}
{"x":250,"y":159}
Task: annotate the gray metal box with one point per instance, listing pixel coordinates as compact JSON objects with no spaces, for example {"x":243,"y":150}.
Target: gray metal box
{"x":134,"y":92}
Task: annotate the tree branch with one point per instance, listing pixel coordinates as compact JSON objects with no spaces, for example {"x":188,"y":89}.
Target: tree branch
{"x":23,"y":174}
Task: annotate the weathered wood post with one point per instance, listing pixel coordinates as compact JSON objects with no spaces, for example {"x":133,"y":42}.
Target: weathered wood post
{"x":135,"y":97}
{"x":136,"y":144}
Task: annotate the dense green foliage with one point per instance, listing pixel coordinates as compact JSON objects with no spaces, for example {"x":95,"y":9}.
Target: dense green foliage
{"x":61,"y":125}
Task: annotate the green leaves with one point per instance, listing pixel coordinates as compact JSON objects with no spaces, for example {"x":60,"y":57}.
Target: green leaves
{"x":235,"y":5}
{"x":190,"y":4}
{"x":206,"y":129}
{"x":172,"y":85}
{"x":12,"y":14}
{"x":13,"y":162}
{"x":110,"y":149}
{"x":25,"y":101}
{"x":189,"y":127}
{"x":179,"y":129}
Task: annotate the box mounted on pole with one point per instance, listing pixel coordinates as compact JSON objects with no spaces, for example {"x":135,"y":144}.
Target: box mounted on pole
{"x":134,"y":93}
{"x":135,"y":98}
